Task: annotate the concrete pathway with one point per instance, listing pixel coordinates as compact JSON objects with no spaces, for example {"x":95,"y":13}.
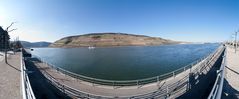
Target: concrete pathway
{"x":231,"y":84}
{"x":10,"y":75}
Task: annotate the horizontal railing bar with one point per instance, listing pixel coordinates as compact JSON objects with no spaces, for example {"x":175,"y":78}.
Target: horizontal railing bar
{"x":217,"y":87}
{"x":27,"y":91}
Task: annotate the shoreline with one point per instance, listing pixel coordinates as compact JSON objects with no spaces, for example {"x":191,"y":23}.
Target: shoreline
{"x":119,"y":46}
{"x":126,"y":45}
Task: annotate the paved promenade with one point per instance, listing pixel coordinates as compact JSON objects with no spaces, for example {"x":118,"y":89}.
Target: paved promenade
{"x":231,"y":84}
{"x":10,"y":75}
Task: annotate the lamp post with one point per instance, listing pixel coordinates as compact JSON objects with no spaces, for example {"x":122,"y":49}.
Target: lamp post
{"x":5,"y":52}
{"x":236,"y":41}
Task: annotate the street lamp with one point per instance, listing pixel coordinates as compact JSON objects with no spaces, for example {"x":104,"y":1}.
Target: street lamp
{"x":236,"y":41}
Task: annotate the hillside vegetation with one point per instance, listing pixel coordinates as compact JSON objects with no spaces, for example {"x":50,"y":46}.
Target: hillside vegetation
{"x":110,"y":39}
{"x":34,"y":44}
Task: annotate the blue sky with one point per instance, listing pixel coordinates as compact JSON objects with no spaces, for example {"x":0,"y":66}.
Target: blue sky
{"x":184,"y":20}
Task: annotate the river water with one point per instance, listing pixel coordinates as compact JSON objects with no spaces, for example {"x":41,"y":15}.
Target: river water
{"x":125,"y":63}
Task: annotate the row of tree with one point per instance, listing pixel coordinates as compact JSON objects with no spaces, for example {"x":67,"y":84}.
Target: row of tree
{"x":5,"y":44}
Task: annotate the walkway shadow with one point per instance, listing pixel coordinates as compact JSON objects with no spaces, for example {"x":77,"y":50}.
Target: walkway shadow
{"x":232,"y":70}
{"x":13,"y":67}
{"x":42,"y":88}
{"x":229,"y":92}
{"x":200,"y":85}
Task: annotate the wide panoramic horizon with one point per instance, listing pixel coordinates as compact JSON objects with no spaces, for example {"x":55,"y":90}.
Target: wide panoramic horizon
{"x":119,"y":49}
{"x":184,"y":20}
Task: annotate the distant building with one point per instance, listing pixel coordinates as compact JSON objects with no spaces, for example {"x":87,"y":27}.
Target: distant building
{"x":4,"y":39}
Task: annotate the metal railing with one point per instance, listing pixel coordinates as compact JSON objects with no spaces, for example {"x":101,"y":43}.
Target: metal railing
{"x":216,"y":91}
{"x":128,"y":82}
{"x":69,"y":90}
{"x":26,"y":85}
{"x":182,"y":85}
{"x":171,"y":89}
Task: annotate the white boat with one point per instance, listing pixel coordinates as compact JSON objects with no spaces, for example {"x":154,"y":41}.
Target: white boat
{"x":91,"y":47}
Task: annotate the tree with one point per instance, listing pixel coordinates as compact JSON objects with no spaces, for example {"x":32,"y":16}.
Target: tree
{"x":16,"y":44}
{"x":5,"y":39}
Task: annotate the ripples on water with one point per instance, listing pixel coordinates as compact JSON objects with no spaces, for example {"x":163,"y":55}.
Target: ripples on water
{"x":125,"y":63}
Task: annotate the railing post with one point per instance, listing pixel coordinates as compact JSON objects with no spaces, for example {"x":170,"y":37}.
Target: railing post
{"x":188,"y":85}
{"x":63,"y":89}
{"x":138,"y":83}
{"x":45,"y":63}
{"x":113,"y":85}
{"x":93,"y":83}
{"x":167,"y":91}
{"x":173,"y":75}
{"x":190,"y":68}
{"x":184,"y":68}
{"x":64,"y":74}
{"x":158,"y":79}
